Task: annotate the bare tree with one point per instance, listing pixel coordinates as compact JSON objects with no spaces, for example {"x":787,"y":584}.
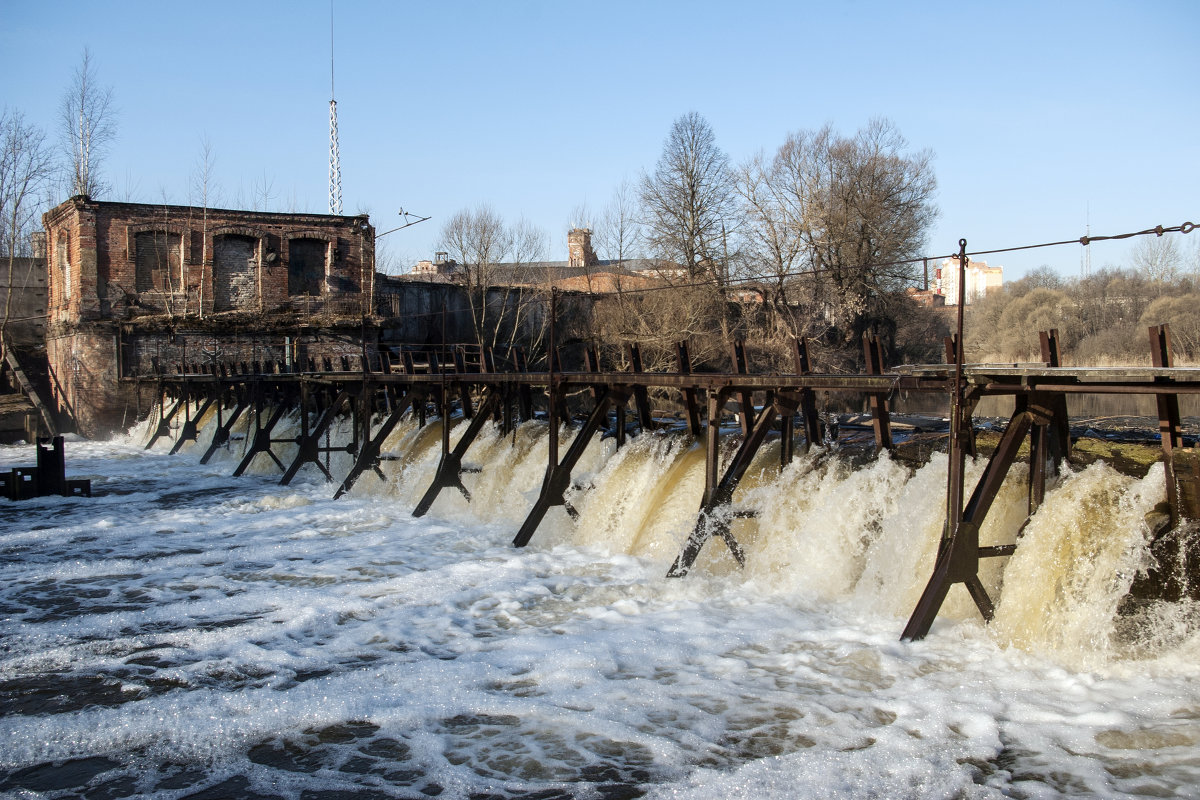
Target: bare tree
{"x":773,"y":253}
{"x":688,"y":203}
{"x":494,"y":263}
{"x":264,"y":192}
{"x":618,"y":233}
{"x":862,"y":206}
{"x":203,"y":189}
{"x":1159,"y":258}
{"x":88,"y":122}
{"x":26,"y":166}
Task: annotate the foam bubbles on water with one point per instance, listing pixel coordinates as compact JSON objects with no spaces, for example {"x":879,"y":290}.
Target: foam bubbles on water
{"x":231,"y":636}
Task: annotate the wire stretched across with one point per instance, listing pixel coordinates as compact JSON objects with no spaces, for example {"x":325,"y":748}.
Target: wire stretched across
{"x":1158,"y":230}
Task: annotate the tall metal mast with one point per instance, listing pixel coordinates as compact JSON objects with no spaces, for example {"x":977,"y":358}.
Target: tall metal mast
{"x":335,"y":166}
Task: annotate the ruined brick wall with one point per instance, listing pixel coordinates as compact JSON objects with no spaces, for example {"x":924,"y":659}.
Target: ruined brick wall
{"x":412,"y":311}
{"x":579,"y":248}
{"x":83,"y":366}
{"x":127,"y":280}
{"x":129,"y":259}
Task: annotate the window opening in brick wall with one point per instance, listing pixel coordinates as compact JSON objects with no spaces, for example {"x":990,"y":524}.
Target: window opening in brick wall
{"x":306,"y":266}
{"x":157,"y":261}
{"x":63,"y":262}
{"x":235,"y":273}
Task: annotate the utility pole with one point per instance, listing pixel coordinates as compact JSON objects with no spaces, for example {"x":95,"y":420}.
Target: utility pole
{"x":335,"y":166}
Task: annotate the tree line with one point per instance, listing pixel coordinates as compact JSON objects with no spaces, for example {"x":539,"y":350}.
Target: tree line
{"x":1102,"y":319}
{"x":817,"y":240}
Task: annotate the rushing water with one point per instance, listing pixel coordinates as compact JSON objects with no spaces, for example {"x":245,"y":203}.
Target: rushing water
{"x":185,"y":634}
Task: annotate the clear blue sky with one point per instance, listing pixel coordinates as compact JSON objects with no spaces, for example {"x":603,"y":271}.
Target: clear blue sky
{"x":1040,"y":114}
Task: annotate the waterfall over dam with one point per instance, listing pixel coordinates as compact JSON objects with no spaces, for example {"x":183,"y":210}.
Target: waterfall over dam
{"x":185,"y":633}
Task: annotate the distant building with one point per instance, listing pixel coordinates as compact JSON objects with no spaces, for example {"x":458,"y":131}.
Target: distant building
{"x":581,"y":272}
{"x":925,"y":297}
{"x":980,"y":279}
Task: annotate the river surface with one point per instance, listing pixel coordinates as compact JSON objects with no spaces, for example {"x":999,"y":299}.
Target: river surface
{"x":186,"y":634}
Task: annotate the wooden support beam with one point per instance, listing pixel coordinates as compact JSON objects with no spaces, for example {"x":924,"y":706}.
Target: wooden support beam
{"x":808,"y":398}
{"x":745,"y":398}
{"x":524,"y":393}
{"x":558,"y":473}
{"x":1059,"y":435}
{"x":27,"y":387}
{"x":1168,"y":415}
{"x":641,"y":398}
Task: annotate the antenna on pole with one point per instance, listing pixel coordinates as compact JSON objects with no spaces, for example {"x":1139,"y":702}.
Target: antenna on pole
{"x":335,"y":165}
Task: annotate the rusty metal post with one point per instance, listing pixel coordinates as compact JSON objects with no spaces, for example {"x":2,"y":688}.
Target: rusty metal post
{"x":1168,"y":415}
{"x":881,"y":420}
{"x":221,"y":435}
{"x":745,"y":398}
{"x":808,"y":401}
{"x":689,"y":392}
{"x":558,"y":473}
{"x":641,"y":397}
{"x":368,"y":453}
{"x":309,"y":444}
{"x":449,"y":469}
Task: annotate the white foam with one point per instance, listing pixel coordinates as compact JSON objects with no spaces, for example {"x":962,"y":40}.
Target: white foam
{"x":211,"y":620}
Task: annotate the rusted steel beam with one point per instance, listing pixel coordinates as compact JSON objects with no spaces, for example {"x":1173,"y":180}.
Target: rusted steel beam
{"x":558,"y":474}
{"x":221,"y":434}
{"x":959,"y":551}
{"x":720,"y":492}
{"x":309,"y":442}
{"x":262,"y":441}
{"x":368,"y":454}
{"x":689,"y":391}
{"x":880,"y":418}
{"x":189,"y":430}
{"x":164,"y":420}
{"x":449,"y":469}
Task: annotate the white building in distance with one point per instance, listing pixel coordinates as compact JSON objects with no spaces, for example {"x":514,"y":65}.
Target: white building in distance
{"x":980,"y":279}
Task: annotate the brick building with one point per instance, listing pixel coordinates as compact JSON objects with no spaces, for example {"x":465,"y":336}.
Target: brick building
{"x":133,"y":287}
{"x":583,"y":271}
